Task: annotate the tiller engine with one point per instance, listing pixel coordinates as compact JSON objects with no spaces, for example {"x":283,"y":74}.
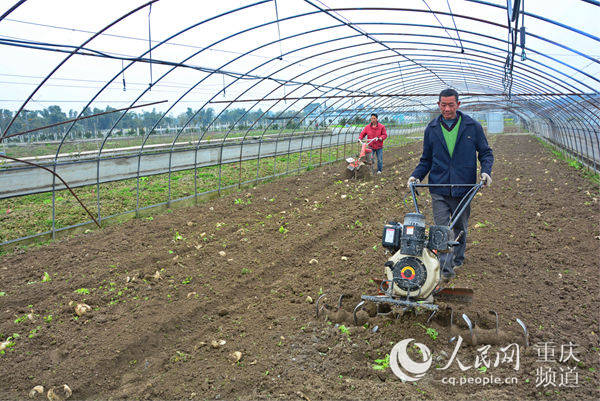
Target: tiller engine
{"x":413,"y":272}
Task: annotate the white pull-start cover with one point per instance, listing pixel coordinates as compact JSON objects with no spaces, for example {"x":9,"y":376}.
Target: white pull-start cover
{"x":432,"y":267}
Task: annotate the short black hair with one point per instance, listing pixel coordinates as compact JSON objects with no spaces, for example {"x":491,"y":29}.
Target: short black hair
{"x":374,"y":114}
{"x":447,"y":93}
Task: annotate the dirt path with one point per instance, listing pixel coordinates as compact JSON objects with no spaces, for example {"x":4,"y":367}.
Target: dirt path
{"x":238,"y":269}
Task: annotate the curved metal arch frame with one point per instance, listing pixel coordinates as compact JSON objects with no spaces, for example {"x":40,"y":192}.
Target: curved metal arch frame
{"x":233,"y":101}
{"x":397,"y":9}
{"x":478,"y":20}
{"x":533,"y":105}
{"x":99,"y":217}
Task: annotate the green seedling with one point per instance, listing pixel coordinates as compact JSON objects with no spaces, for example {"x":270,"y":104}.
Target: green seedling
{"x":20,"y":319}
{"x":9,"y":343}
{"x":33,"y":332}
{"x":46,"y":278}
{"x":283,"y":230}
{"x":431,"y":332}
{"x":2,"y":294}
{"x":82,"y":291}
{"x":177,"y":237}
{"x":246,"y":270}
{"x":382,"y":364}
{"x":344,"y":330}
{"x":180,"y":356}
{"x":187,"y":280}
{"x":482,"y":369}
{"x":48,"y":318}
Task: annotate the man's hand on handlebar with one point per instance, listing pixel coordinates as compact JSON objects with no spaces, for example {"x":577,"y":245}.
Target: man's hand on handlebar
{"x":486,"y":179}
{"x":412,"y":180}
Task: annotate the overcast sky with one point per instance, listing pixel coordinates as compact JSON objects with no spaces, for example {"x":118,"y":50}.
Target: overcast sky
{"x":71,"y":22}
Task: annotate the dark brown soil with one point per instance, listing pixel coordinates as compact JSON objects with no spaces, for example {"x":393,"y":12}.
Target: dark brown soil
{"x":532,"y":254}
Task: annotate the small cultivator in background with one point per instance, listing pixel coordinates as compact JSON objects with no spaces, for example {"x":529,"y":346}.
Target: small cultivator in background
{"x":413,"y":279}
{"x":364,"y":164}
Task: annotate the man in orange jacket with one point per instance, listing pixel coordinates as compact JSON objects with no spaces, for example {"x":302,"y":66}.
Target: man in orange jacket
{"x":376,"y":131}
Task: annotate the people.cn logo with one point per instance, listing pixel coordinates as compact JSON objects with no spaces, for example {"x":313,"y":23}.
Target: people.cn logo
{"x":404,"y":367}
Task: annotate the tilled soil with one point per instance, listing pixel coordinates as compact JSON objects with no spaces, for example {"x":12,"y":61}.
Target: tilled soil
{"x":240,"y":268}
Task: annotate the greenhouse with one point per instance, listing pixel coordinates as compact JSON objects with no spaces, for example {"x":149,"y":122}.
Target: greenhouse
{"x":192,"y":199}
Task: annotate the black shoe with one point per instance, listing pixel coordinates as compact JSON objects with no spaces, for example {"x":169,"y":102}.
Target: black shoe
{"x":448,"y":274}
{"x":457,"y":264}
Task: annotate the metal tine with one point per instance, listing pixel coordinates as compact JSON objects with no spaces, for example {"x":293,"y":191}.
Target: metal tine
{"x":325,"y":314}
{"x":451,"y":323}
{"x":497,"y":321}
{"x":468,"y":321}
{"x":431,"y":316}
{"x":340,"y":300}
{"x":317,"y":304}
{"x":356,"y":308}
{"x":526,"y":335}
{"x":321,"y":309}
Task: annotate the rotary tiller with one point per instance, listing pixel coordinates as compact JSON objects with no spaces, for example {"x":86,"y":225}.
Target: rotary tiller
{"x":413,"y":279}
{"x":364,"y":164}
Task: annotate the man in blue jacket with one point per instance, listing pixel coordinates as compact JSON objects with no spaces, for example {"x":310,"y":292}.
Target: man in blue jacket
{"x":451,"y":146}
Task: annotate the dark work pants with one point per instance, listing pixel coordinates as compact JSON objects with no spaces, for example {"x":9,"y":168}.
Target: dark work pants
{"x":443,"y":208}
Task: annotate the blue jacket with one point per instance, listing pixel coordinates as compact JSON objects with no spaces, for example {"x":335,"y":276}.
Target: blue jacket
{"x":461,"y":168}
